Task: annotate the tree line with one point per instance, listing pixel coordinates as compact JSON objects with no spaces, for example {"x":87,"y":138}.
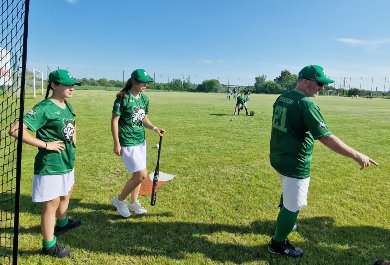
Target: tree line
{"x":282,"y":83}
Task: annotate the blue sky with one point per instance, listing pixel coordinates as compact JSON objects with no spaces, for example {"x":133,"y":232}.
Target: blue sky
{"x":230,"y":40}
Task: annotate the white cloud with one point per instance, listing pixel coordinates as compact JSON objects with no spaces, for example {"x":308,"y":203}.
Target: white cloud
{"x":351,"y":41}
{"x":370,"y":46}
{"x":207,"y":61}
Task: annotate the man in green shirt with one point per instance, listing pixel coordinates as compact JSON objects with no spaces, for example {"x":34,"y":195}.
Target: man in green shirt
{"x":296,"y":123}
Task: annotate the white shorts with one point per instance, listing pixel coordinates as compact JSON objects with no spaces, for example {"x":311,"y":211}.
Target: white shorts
{"x":294,"y":192}
{"x":49,"y":187}
{"x":134,"y":157}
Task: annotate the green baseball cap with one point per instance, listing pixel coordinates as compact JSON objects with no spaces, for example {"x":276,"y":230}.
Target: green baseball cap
{"x":63,"y":77}
{"x":141,"y":76}
{"x":315,"y":72}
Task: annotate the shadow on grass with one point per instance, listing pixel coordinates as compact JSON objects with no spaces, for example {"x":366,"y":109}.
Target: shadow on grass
{"x":103,"y":231}
{"x":220,"y":114}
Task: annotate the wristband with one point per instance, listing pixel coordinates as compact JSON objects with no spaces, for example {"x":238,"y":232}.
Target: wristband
{"x":45,"y":145}
{"x":154,"y":129}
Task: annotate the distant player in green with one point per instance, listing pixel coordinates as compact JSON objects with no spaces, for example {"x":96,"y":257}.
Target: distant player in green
{"x":296,"y":123}
{"x":240,"y":104}
{"x":129,"y":119}
{"x":53,"y":120}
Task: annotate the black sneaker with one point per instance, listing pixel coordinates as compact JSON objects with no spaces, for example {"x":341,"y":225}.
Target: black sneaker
{"x":71,"y":225}
{"x":56,"y":251}
{"x":285,"y":249}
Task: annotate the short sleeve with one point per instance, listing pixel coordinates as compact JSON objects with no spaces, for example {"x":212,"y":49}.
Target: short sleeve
{"x":315,"y":122}
{"x":35,"y":118}
{"x":116,"y":109}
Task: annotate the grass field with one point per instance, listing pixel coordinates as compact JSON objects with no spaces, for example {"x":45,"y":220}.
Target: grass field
{"x":222,"y":206}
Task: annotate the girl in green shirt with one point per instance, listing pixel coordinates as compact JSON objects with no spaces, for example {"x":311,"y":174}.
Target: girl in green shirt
{"x":53,"y":121}
{"x":129,"y":119}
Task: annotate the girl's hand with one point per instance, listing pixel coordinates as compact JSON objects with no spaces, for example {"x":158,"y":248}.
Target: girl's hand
{"x":57,"y":146}
{"x":160,"y":131}
{"x":118,"y":149}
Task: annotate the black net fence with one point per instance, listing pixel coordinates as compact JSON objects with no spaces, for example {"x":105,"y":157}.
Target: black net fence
{"x":14,"y":14}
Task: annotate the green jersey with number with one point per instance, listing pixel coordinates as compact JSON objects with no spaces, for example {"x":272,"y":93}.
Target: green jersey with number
{"x":132,"y":112}
{"x":52,"y":123}
{"x":296,"y":123}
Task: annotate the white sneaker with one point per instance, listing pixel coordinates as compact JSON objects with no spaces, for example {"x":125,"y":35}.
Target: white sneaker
{"x":136,"y":208}
{"x":121,"y":207}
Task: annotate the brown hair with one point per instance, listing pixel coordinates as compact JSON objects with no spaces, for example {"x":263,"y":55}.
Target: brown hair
{"x":129,"y":84}
{"x":47,"y":95}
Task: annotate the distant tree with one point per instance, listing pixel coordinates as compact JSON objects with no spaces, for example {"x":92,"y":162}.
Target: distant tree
{"x":353,"y":92}
{"x":188,"y":86}
{"x":211,"y":85}
{"x":157,"y":86}
{"x":260,"y":81}
{"x":175,"y":85}
{"x":102,"y":82}
{"x":271,"y":87}
{"x":286,"y":80}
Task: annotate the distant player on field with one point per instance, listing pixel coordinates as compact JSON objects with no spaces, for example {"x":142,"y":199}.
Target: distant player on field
{"x":296,"y":123}
{"x":235,"y":93}
{"x":228,"y":93}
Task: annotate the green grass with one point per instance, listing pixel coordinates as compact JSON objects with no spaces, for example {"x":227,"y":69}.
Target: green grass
{"x":221,"y":207}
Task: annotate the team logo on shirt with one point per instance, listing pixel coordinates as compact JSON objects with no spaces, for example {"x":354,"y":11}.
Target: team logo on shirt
{"x":31,"y":112}
{"x":138,"y":116}
{"x":68,"y":130}
{"x":322,"y":125}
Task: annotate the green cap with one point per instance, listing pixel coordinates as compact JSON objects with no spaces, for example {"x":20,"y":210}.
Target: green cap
{"x":141,"y":76}
{"x":63,"y":77}
{"x":315,"y":72}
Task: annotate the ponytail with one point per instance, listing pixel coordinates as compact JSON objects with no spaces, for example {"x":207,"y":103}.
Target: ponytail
{"x":48,"y":90}
{"x":127,"y":87}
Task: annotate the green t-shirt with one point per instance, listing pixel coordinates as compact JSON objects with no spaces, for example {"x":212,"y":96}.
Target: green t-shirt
{"x":241,"y":99}
{"x":296,"y":123}
{"x":52,"y":123}
{"x":132,"y":112}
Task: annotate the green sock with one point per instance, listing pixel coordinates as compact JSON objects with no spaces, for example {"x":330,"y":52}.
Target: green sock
{"x":285,"y":224}
{"x":49,"y":244}
{"x":63,"y":222}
